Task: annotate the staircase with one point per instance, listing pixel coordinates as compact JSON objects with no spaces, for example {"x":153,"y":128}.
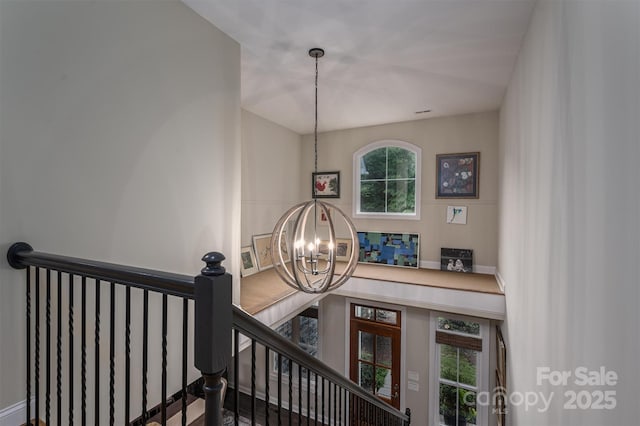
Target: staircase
{"x":96,"y":329}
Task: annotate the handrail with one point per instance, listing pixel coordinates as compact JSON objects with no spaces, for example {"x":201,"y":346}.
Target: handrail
{"x":254,"y":329}
{"x":21,"y":255}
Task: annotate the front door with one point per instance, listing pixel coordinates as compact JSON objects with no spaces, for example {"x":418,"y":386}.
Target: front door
{"x":375,"y":351}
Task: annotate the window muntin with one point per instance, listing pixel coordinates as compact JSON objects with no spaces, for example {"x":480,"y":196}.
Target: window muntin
{"x":387,"y":180}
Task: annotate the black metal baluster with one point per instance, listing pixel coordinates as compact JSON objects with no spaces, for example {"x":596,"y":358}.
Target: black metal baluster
{"x":127,"y":351}
{"x":83,"y":360}
{"x":112,"y":351}
{"x":47,"y":416}
{"x":163,"y":406}
{"x":299,"y":394}
{"x":96,"y":356}
{"x":58,"y":354}
{"x":290,"y":390}
{"x":335,"y":404}
{"x":323,"y":399}
{"x":71,"y":348}
{"x":308,"y":396}
{"x":315,"y":406}
{"x":185,"y":341}
{"x":145,"y":351}
{"x":266,"y":385}
{"x":37,"y":347}
{"x":236,"y":374}
{"x":279,"y":389}
{"x":253,"y":382}
{"x":28,"y":353}
{"x":329,"y":402}
{"x":339,"y":410}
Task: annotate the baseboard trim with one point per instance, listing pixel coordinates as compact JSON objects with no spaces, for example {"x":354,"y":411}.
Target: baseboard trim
{"x":15,"y":414}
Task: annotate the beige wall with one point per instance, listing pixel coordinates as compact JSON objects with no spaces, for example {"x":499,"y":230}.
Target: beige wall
{"x":464,"y":133}
{"x":119,"y":141}
{"x":271,"y":182}
{"x":569,"y":234}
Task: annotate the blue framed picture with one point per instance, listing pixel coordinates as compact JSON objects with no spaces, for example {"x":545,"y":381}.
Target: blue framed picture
{"x":389,"y":248}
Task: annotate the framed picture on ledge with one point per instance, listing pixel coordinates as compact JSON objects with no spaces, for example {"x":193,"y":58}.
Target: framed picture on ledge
{"x":248,"y":265}
{"x":389,"y":248}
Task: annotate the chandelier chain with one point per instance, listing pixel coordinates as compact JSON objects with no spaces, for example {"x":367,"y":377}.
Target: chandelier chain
{"x":315,"y":129}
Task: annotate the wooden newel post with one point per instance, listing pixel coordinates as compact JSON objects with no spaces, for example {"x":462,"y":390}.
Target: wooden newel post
{"x":213,"y":319}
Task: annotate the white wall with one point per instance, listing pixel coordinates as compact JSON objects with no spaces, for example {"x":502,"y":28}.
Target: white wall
{"x":463,"y":133}
{"x":569,"y":207}
{"x":119,"y":141}
{"x":271,"y":180}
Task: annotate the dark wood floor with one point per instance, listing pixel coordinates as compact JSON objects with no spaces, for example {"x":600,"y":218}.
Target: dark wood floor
{"x":245,"y":413}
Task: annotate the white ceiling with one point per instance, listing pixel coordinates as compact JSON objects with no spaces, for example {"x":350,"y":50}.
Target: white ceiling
{"x":385,"y":59}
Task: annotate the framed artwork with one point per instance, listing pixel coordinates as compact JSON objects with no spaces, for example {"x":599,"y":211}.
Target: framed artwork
{"x":325,"y":185}
{"x":248,"y":265}
{"x":456,"y":260}
{"x":457,"y":215}
{"x":343,"y":249}
{"x":262,"y":247}
{"x":322,"y":218}
{"x":457,"y":175}
{"x":389,"y":248}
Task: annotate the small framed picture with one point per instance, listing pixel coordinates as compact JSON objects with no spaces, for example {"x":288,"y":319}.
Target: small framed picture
{"x":323,"y":218}
{"x":457,"y":215}
{"x":457,"y":175}
{"x":248,"y":266}
{"x":325,"y":185}
{"x":343,"y":249}
{"x":456,"y":260}
{"x":262,"y":247}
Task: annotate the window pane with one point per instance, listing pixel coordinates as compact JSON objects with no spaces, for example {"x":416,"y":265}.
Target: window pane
{"x":401,"y":196}
{"x":365,"y":346}
{"x":448,"y":404}
{"x":402,"y":163}
{"x":467,"y":327}
{"x":384,"y":354}
{"x":383,"y":382}
{"x":308,"y":332}
{"x":467,"y":366}
{"x":390,"y":317}
{"x":285,"y":330}
{"x":372,"y":197}
{"x":364,"y":312}
{"x":467,"y":406}
{"x":374,"y":165}
{"x":365,"y":376}
{"x":449,"y":362}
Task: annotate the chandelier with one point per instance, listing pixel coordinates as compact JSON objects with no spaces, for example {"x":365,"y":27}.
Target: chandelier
{"x":304,"y":246}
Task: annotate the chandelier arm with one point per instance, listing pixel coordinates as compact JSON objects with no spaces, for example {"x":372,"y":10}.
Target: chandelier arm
{"x":280,"y":268}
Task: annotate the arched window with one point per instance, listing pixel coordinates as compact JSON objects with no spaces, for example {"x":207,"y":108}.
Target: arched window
{"x":387,"y":180}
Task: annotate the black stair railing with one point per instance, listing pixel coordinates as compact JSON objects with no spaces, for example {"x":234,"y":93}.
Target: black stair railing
{"x":67,"y":314}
